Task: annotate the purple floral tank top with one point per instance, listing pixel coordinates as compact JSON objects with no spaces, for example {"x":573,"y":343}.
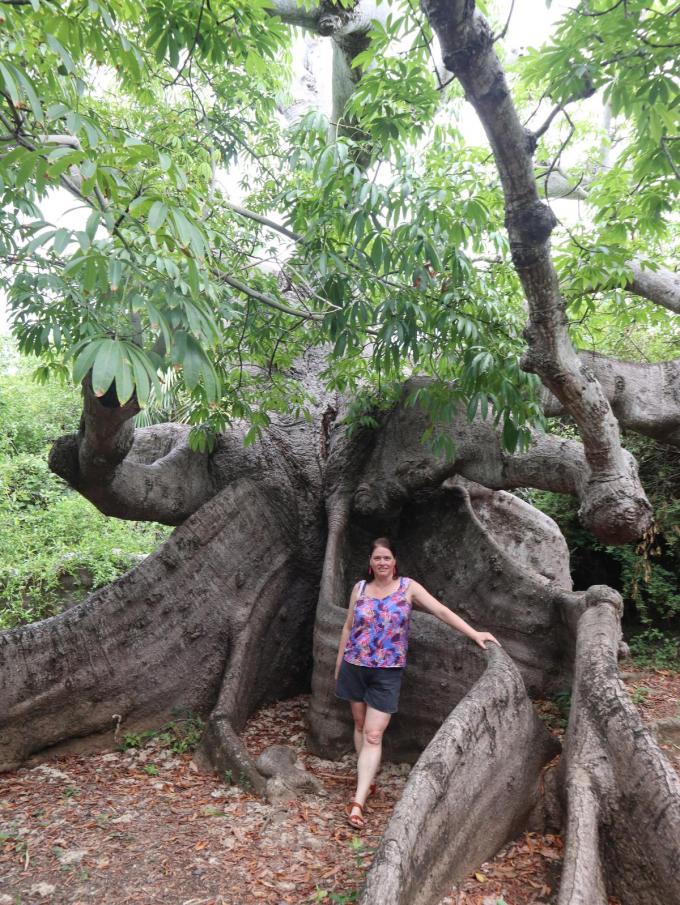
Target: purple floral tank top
{"x":379,"y":633}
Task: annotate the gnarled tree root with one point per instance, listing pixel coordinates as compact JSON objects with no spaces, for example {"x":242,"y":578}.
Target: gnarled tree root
{"x":623,"y":797}
{"x":200,"y":614}
{"x":471,"y":790}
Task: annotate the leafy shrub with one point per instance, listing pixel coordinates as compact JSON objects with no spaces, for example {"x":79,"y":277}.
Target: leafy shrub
{"x":55,"y":547}
{"x":656,"y":650}
{"x":645,"y":574}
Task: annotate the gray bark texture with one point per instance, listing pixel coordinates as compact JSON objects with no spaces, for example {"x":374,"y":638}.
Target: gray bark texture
{"x":645,"y":397}
{"x":622,"y":795}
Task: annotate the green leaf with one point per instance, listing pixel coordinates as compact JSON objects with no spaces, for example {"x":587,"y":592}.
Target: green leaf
{"x":510,"y":435}
{"x":124,"y":381}
{"x":115,"y":273}
{"x":37,"y":241}
{"x":65,"y":56}
{"x":92,"y":224}
{"x":143,"y":372}
{"x":9,"y":83}
{"x":157,"y":214}
{"x":85,"y":360}
{"x":62,"y":237}
{"x":108,"y":361}
{"x":28,"y":90}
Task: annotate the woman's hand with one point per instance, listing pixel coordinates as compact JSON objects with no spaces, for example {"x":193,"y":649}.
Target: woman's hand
{"x":481,"y":637}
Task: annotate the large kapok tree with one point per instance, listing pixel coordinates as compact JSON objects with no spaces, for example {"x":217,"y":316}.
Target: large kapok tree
{"x":340,"y":358}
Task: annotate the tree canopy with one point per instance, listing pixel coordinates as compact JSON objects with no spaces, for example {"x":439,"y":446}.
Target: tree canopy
{"x":380,"y":235}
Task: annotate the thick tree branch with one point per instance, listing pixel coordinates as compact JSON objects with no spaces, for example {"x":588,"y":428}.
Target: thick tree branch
{"x":659,"y":286}
{"x":148,"y":474}
{"x":643,"y":396}
{"x":348,"y":29}
{"x":400,"y":466}
{"x":467,"y":49}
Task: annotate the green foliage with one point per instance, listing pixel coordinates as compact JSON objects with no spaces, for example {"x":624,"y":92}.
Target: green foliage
{"x":654,"y":649}
{"x":54,"y":546}
{"x":151,"y":99}
{"x":555,"y":711}
{"x":639,"y":694}
{"x":631,"y":169}
{"x":646,"y":574}
{"x":396,"y":252}
{"x":180,"y":736}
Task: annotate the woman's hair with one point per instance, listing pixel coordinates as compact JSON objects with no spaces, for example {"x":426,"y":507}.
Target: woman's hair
{"x":383,"y":542}
{"x":387,"y":543}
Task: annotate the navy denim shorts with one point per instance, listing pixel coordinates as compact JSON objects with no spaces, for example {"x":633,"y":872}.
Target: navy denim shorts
{"x":379,"y":688}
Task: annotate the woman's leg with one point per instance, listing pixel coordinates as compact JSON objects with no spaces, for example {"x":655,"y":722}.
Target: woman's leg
{"x":368,"y":763}
{"x":359,"y":715}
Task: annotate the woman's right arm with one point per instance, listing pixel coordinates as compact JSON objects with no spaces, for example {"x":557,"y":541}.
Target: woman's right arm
{"x":346,"y":629}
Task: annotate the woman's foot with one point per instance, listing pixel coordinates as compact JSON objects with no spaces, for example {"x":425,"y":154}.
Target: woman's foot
{"x":355,"y":815}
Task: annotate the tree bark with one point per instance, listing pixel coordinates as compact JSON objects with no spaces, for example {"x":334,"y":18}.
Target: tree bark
{"x":644,"y":397}
{"x":399,"y":466}
{"x":479,"y":562}
{"x":161,"y":479}
{"x":623,"y":797}
{"x":220,"y":620}
{"x":165,"y":636}
{"x":659,"y":286}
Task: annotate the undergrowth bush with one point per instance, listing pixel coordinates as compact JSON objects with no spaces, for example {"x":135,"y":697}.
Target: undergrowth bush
{"x":55,"y":547}
{"x":646,"y":574}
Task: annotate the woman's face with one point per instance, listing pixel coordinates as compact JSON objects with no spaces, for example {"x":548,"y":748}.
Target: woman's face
{"x":382,"y":562}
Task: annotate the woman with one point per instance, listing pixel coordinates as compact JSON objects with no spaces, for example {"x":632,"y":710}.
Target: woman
{"x":372,"y":656}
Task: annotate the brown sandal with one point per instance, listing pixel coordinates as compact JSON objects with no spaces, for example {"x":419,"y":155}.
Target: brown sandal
{"x":356,"y":821}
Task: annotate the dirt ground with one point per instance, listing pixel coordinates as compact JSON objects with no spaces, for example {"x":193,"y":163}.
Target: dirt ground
{"x":143,"y":826}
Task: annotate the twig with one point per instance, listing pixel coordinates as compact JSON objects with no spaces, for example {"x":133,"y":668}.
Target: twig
{"x":557,"y":157}
{"x":265,"y":221}
{"x":664,"y":145}
{"x":429,"y":47}
{"x":604,"y":11}
{"x":507,"y":24}
{"x":265,"y":299}
{"x":546,"y":125}
{"x":193,"y":46}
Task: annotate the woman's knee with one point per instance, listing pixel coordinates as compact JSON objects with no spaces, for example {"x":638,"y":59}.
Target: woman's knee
{"x":359,"y":723}
{"x":373,"y":736}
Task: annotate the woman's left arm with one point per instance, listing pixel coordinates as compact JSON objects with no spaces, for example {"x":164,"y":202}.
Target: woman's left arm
{"x":430,"y":604}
